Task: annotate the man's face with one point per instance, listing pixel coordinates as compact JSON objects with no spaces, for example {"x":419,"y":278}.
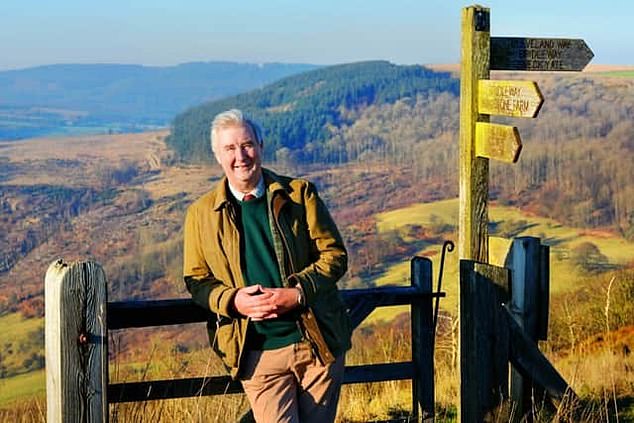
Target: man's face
{"x":240,"y":156}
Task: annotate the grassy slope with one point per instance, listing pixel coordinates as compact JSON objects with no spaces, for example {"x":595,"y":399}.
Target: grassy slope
{"x":13,"y":326}
{"x":560,"y":238}
{"x":15,"y":330}
{"x":22,"y":386}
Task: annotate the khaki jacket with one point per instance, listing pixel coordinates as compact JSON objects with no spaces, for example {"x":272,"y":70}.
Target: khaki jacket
{"x":309,"y":251}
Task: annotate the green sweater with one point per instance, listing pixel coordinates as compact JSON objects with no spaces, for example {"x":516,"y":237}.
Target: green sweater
{"x":260,"y":267}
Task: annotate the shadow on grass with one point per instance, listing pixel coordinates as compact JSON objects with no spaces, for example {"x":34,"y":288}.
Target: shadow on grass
{"x":397,"y":415}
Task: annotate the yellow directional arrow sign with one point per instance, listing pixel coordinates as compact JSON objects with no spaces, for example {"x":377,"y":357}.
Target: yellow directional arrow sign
{"x":498,"y":142}
{"x":509,"y":98}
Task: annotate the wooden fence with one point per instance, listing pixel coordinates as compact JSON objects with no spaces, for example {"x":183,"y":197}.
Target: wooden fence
{"x":503,"y":315}
{"x":78,"y":318}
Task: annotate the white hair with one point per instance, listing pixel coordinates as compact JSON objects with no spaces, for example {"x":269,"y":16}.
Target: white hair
{"x":233,"y":117}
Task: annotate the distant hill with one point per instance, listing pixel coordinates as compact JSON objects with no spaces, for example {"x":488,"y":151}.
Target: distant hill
{"x":67,"y":98}
{"x":301,"y":113}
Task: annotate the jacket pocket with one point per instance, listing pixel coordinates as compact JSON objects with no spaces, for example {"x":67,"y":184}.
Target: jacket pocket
{"x":226,"y":344}
{"x":334,"y":322}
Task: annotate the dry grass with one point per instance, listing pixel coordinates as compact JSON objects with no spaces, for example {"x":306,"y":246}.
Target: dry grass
{"x":44,"y":160}
{"x":111,"y":147}
{"x":229,"y":408}
{"x":26,"y":411}
{"x":599,"y":371}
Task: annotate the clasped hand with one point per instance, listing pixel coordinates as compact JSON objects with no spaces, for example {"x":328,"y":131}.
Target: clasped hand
{"x":261,"y":303}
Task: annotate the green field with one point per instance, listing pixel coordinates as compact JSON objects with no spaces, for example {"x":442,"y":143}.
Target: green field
{"x":620,"y":74}
{"x":561,"y":239}
{"x":22,"y":386}
{"x":21,"y":340}
{"x":14,"y":327}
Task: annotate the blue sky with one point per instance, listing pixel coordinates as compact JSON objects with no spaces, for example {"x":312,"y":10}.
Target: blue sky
{"x":167,"y":32}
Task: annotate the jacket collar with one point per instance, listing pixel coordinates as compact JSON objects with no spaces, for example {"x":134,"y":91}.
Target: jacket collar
{"x":272,"y":182}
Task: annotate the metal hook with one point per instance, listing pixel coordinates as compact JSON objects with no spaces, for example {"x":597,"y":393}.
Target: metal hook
{"x":446,"y":246}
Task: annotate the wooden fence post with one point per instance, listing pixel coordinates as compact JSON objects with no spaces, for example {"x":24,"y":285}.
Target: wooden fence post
{"x":474,"y":170}
{"x":76,"y":343}
{"x":529,"y":264}
{"x":484,"y":342}
{"x":422,"y":342}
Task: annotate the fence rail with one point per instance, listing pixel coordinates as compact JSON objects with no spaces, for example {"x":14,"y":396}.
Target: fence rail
{"x":141,"y":314}
{"x":74,"y":399}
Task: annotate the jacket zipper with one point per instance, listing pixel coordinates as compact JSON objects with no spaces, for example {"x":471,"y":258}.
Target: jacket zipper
{"x":302,"y":330}
{"x":232,"y":218}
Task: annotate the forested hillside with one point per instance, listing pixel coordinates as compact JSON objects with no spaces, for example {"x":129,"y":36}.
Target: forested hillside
{"x":577,"y":162}
{"x":301,"y":114}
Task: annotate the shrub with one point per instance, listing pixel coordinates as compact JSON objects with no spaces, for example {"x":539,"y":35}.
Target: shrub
{"x":587,"y":257}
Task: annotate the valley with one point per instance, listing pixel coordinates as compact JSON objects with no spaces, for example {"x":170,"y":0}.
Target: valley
{"x":120,"y":200}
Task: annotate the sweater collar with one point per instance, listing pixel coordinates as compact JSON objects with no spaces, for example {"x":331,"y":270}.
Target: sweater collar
{"x":270,"y":181}
{"x":258,"y":191}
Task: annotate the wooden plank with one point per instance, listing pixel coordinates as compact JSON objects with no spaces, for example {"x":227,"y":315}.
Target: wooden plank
{"x":498,"y":142}
{"x":138,"y":314}
{"x":76,"y":347}
{"x":422,"y":342}
{"x":528,"y":359}
{"x":539,"y":54}
{"x":543,"y":293}
{"x":524,"y":262}
{"x":383,"y":372}
{"x":175,"y":388}
{"x":484,"y":342}
{"x":360,"y":311}
{"x":474,"y":170}
{"x":509,"y":98}
{"x":220,"y":385}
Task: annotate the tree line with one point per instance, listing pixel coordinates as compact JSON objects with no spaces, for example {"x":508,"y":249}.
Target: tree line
{"x":301,"y":113}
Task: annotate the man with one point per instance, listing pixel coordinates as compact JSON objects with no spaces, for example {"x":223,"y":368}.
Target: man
{"x":262,"y":252}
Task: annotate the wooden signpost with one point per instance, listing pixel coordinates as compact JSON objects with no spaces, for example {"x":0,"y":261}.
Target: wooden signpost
{"x":481,"y":97}
{"x":539,"y":54}
{"x":509,"y":98}
{"x":499,"y":142}
{"x":480,"y":141}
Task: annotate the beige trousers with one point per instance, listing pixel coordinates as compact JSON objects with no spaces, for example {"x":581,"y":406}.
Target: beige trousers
{"x":290,"y":385}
